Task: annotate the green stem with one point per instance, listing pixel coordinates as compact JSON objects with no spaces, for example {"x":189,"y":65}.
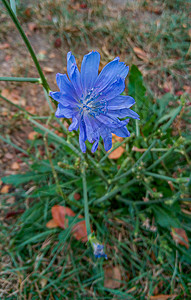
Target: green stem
{"x":135,"y":165}
{"x":21,"y":79}
{"x":27,"y":43}
{"x":114,"y":192}
{"x":86,"y":207}
{"x":162,"y":177}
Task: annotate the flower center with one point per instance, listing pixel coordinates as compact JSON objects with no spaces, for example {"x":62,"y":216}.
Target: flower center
{"x":93,"y":104}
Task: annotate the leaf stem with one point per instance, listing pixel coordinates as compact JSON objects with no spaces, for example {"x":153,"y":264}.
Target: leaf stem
{"x":21,"y":79}
{"x":86,"y":207}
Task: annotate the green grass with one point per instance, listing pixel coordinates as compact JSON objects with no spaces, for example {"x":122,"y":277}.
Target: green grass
{"x":42,"y":263}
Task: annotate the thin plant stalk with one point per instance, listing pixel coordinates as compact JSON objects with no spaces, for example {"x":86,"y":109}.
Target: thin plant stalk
{"x":27,"y":43}
{"x":21,"y":79}
{"x":86,"y":205}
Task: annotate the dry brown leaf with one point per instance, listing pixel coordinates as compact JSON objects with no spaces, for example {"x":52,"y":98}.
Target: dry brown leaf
{"x":141,"y":54}
{"x":168,"y":86}
{"x":5,"y":189}
{"x":48,"y":70}
{"x":8,"y":155}
{"x":187,"y":89}
{"x":13,"y":96}
{"x":80,"y":232}
{"x":32,"y":135}
{"x":77,"y":196}
{"x":43,"y":282}
{"x":31,"y":109}
{"x":119,"y":151}
{"x":163,"y":297}
{"x":112,"y":277}
{"x":180,"y":237}
{"x":10,"y":200}
{"x":15,"y":166}
{"x":59,"y":214}
{"x":32,"y":26}
{"x":51,"y":224}
{"x":4,"y":46}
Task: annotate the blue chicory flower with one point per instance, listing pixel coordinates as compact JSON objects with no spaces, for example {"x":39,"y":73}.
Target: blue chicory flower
{"x":94,"y":102}
{"x":98,"y":251}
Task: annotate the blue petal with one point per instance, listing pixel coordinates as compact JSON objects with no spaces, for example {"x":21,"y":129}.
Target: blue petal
{"x":64,"y":112}
{"x":65,"y":100}
{"x":82,"y":137}
{"x":110,"y":121}
{"x":74,"y":73}
{"x":110,"y":73}
{"x":89,"y":128}
{"x":122,"y":131}
{"x":113,"y":90}
{"x":120,"y":102}
{"x":65,"y":85}
{"x":107,"y":138}
{"x":122,"y":113}
{"x":89,"y":70}
{"x":74,"y":125}
{"x":94,"y":147}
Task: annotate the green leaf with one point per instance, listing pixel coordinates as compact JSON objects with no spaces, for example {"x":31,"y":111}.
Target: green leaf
{"x":21,"y":178}
{"x":165,"y":217}
{"x":137,"y":90}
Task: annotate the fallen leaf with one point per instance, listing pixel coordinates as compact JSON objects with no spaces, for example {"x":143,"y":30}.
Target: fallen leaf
{"x":58,"y":43}
{"x":43,"y":282}
{"x":14,"y":213}
{"x":13,"y":96}
{"x":51,"y":224}
{"x":59,"y":214}
{"x":8,"y":155}
{"x":80,"y":232}
{"x":10,"y":200}
{"x":180,"y":237}
{"x":187,"y":89}
{"x":32,"y":26}
{"x":83,"y":5}
{"x":31,"y":109}
{"x":32,"y":135}
{"x":15,"y":166}
{"x":52,"y":55}
{"x":4,"y":46}
{"x":112,"y":277}
{"x":5,"y":189}
{"x":163,"y":297}
{"x":48,"y":70}
{"x":77,"y":196}
{"x":119,"y":151}
{"x":141,"y":54}
{"x":28,"y":12}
